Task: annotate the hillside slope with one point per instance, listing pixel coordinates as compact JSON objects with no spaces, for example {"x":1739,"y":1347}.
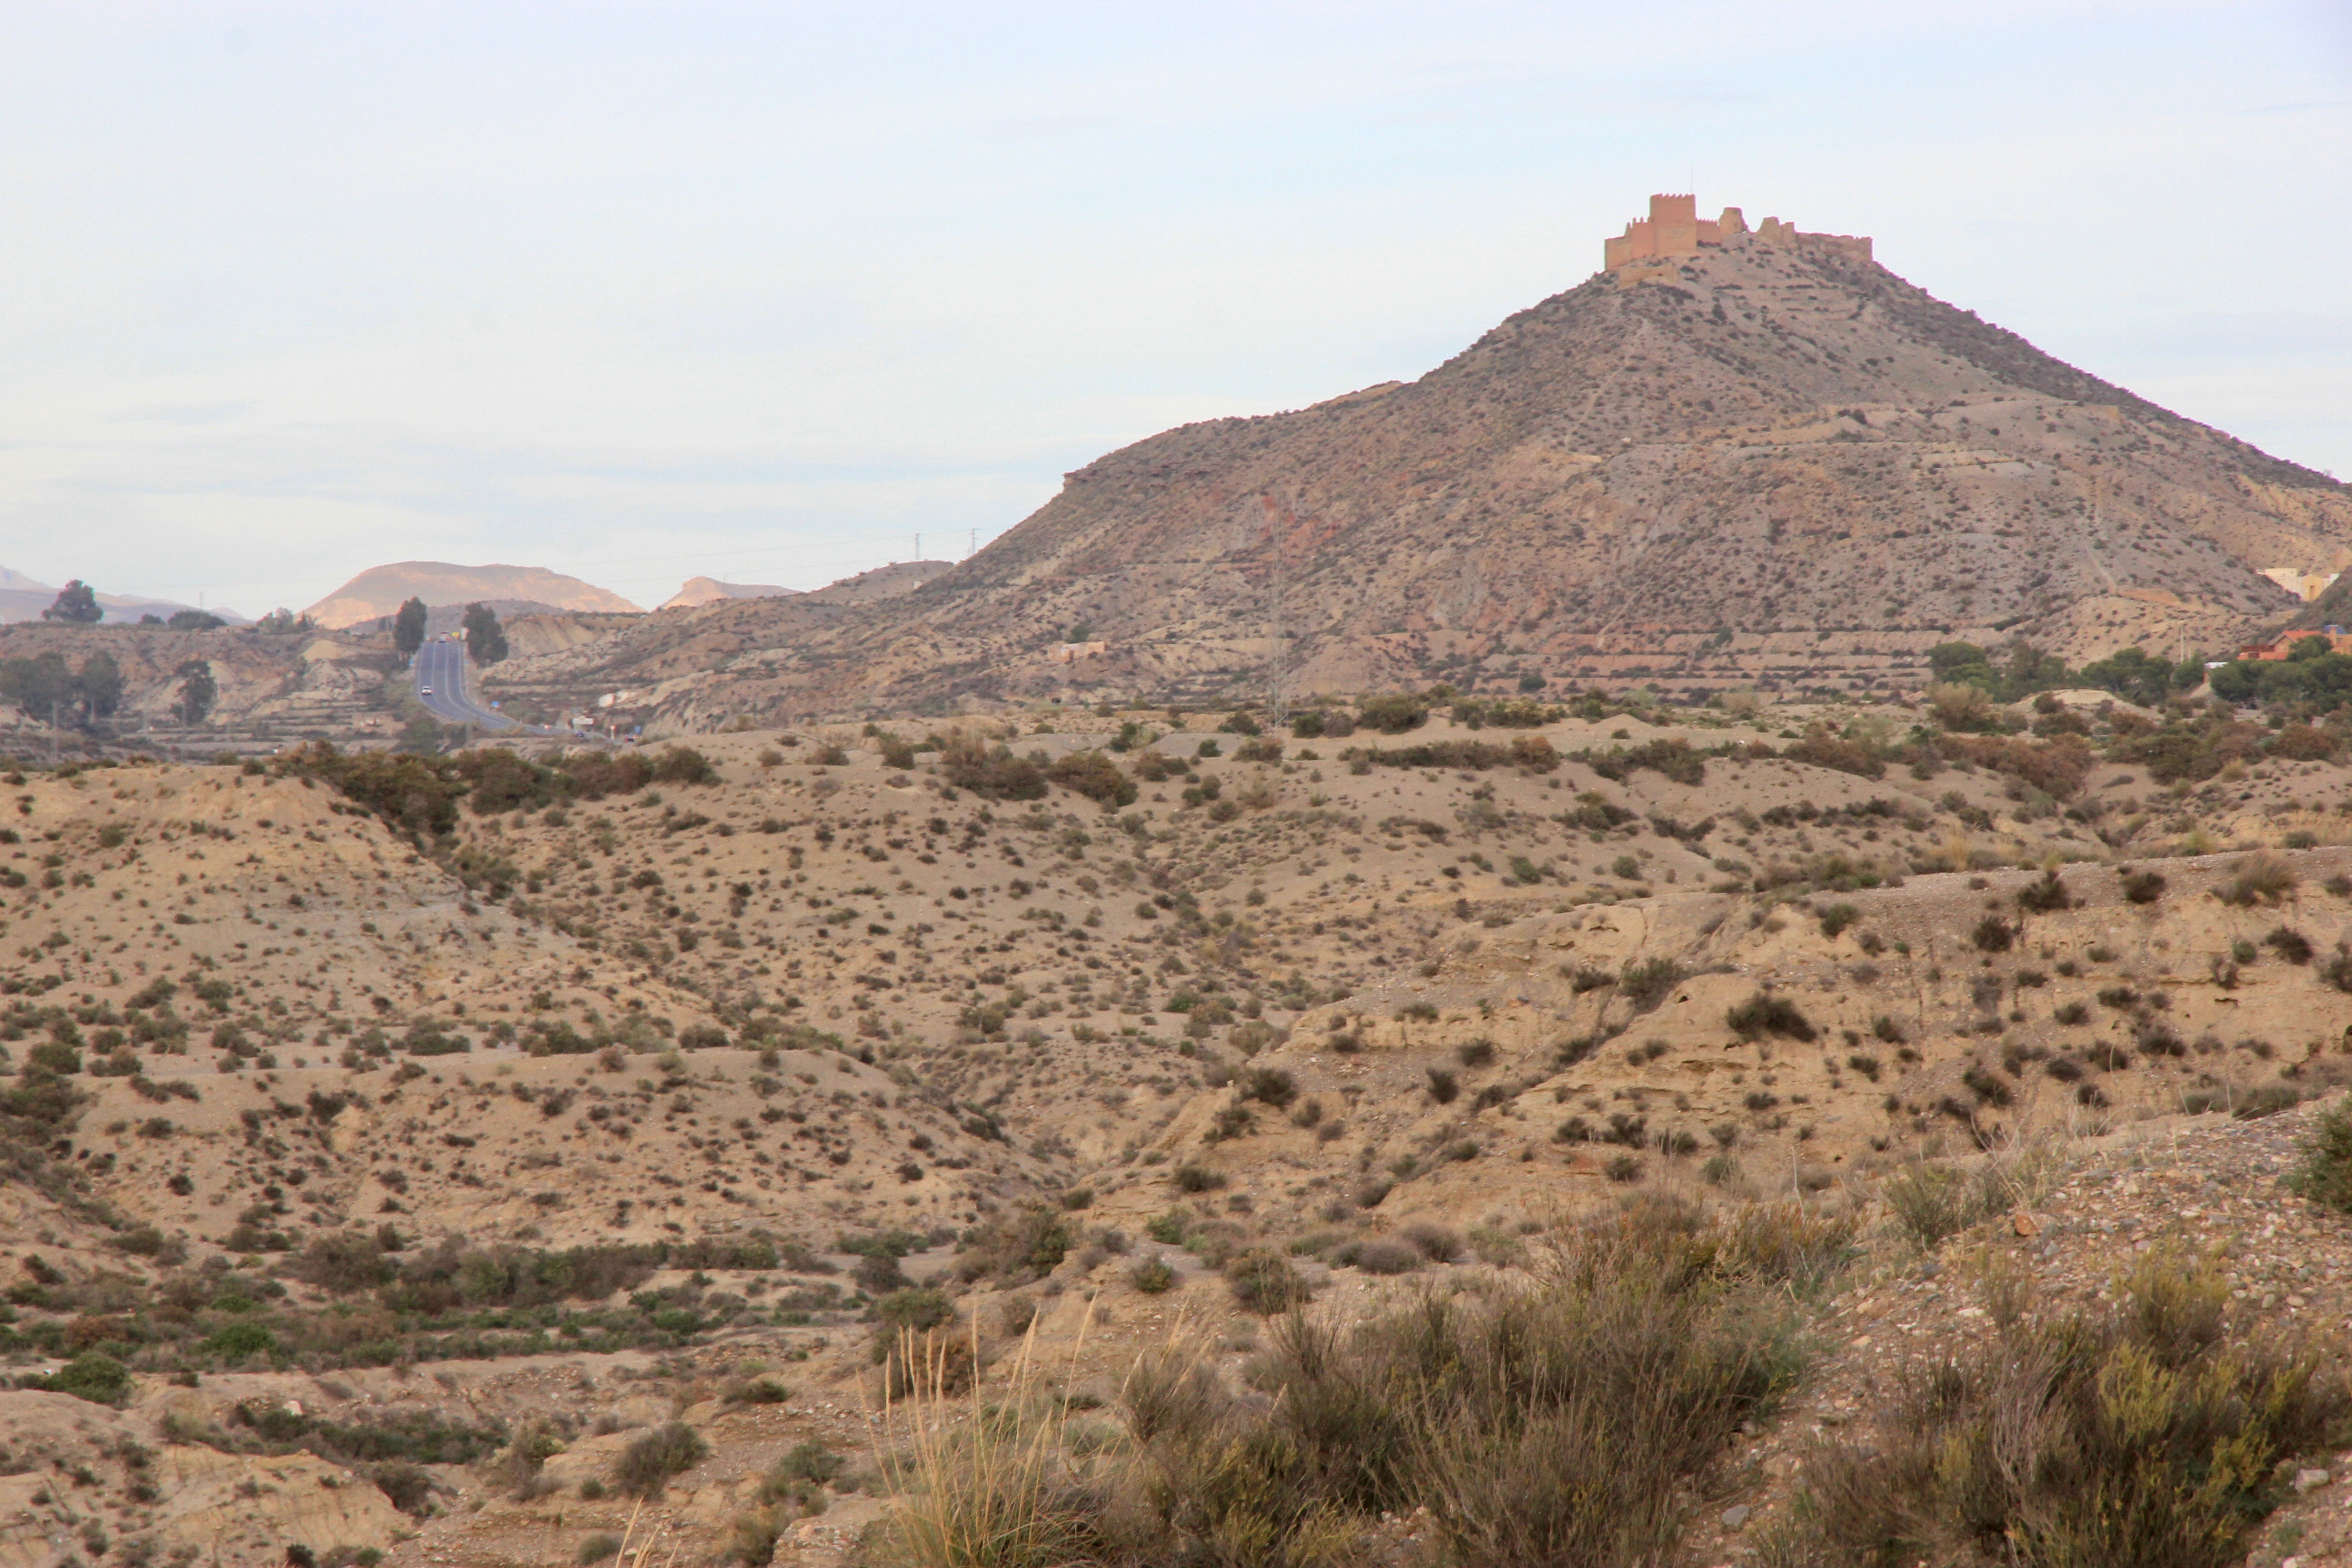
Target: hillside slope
{"x":382,"y":590}
{"x":1698,"y":468}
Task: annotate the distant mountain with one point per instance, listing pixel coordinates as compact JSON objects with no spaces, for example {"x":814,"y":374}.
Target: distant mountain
{"x":382,"y":590}
{"x":710,"y":590}
{"x":1768,"y":458}
{"x":23,"y":599}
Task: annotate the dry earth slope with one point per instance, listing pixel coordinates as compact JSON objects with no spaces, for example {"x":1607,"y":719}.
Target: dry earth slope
{"x":1756,"y":461}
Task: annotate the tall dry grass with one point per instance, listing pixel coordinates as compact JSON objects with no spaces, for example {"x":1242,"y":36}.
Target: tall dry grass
{"x":1565,"y":1421}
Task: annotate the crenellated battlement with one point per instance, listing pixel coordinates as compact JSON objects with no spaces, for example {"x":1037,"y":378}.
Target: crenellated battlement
{"x":1675,"y":228}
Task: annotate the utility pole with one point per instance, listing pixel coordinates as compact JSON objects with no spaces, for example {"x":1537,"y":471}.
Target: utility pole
{"x":918,"y":547}
{"x":972,"y":548}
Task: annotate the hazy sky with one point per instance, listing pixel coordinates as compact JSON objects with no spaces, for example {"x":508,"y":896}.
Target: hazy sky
{"x":639,"y":291}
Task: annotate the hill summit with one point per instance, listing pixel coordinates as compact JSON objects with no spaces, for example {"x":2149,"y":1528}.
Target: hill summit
{"x":380,"y":590}
{"x":1732,"y":455}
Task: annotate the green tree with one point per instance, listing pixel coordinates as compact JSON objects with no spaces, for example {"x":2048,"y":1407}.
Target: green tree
{"x":2133,"y":675}
{"x":1962,"y":664}
{"x":486,"y":640}
{"x":100,"y":685}
{"x":76,"y":604}
{"x":408,"y":627}
{"x":198,"y":691}
{"x":36,"y":685}
{"x":194,"y":621}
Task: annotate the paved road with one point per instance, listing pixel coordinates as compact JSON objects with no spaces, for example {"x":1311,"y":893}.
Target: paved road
{"x":442,"y":679}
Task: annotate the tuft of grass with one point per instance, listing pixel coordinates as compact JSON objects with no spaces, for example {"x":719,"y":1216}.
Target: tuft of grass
{"x":984,"y":1480}
{"x":1930,"y":1204}
{"x":2261,"y":878}
{"x":2139,"y":1435}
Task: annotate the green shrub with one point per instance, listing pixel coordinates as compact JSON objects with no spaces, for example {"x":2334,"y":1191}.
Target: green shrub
{"x":1153,"y":1276}
{"x":2325,"y":1173}
{"x":2143,"y":887}
{"x":91,"y":1376}
{"x":995,"y":772}
{"x":603,"y":1543}
{"x":2137,"y":1435}
{"x":1931,"y":1202}
{"x":1094,"y":775}
{"x":1647,"y":981}
{"x":1994,"y":934}
{"x":1392,"y":713}
{"x":646,"y":1464}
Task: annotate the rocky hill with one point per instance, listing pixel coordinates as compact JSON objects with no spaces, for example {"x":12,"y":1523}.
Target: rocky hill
{"x":380,"y":590}
{"x":1753,"y":462}
{"x":703,"y":590}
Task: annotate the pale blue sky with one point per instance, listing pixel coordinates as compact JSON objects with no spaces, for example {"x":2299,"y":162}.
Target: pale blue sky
{"x":639,"y":291}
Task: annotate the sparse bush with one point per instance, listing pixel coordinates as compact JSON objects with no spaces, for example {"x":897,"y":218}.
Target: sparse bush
{"x":2143,"y":887}
{"x":1765,"y":1013}
{"x":1439,"y":1243}
{"x":2289,"y":943}
{"x":1994,"y":934}
{"x":1263,"y":1281}
{"x":2116,"y":1439}
{"x":2260,"y":878}
{"x":2046,"y":895}
{"x":1648,"y":982}
{"x":1929,"y":1204}
{"x":646,"y":1464}
{"x":1190,"y":1178}
{"x":1153,"y":1276}
{"x":1095,"y":776}
{"x":1382,"y":1255}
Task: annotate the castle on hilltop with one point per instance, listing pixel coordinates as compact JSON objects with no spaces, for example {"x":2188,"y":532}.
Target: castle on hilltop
{"x":1675,"y":228}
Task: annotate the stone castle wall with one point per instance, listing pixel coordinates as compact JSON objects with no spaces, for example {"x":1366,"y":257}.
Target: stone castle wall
{"x":1675,"y":228}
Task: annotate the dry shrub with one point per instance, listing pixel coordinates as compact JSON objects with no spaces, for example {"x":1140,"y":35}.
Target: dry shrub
{"x":1930,"y":1204}
{"x":2260,"y":878}
{"x":646,"y":1464}
{"x":1571,"y":1420}
{"x":2056,"y":767}
{"x":2116,"y":1439}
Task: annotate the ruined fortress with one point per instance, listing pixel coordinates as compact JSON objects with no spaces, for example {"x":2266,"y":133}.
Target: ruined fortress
{"x":1675,"y":228}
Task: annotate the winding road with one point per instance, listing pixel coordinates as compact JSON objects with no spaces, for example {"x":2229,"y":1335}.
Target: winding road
{"x":441,"y":675}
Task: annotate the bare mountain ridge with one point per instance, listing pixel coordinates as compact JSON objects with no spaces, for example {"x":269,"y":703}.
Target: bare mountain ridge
{"x":381,"y":591}
{"x":1754,"y":460}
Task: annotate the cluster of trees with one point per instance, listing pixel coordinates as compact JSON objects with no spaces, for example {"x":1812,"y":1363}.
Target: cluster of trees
{"x":77,"y":605}
{"x":486,"y":639}
{"x":45,"y":684}
{"x":2310,"y":676}
{"x":2133,"y":674}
